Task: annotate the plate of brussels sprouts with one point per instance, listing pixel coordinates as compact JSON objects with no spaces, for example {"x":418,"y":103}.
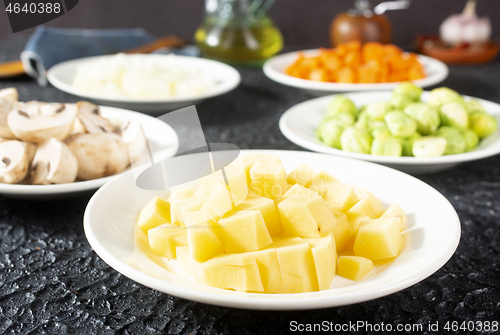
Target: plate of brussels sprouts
{"x":409,"y":129}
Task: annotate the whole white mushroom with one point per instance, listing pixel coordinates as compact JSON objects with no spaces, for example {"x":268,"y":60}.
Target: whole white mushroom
{"x":13,"y":162}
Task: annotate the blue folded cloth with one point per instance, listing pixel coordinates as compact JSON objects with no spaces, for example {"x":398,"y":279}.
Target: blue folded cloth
{"x":49,"y":46}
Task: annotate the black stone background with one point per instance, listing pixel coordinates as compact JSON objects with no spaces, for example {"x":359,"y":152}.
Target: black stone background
{"x":51,"y":281}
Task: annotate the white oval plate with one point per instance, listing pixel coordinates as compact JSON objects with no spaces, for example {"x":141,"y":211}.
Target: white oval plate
{"x":110,"y":218}
{"x":299,"y":124}
{"x":161,"y":137}
{"x":275,"y":67}
{"x":227,"y":78}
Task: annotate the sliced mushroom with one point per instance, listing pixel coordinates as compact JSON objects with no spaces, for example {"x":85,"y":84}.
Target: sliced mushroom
{"x":99,"y":155}
{"x":8,"y":100}
{"x":38,"y":121}
{"x":91,"y":118}
{"x":13,"y":162}
{"x":30,"y":150}
{"x":54,"y":163}
{"x":134,"y":138}
{"x":78,"y":127}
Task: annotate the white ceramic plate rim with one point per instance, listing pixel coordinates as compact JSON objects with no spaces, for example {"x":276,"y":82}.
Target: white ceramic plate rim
{"x":323,"y":148}
{"x":230,"y":80}
{"x":88,"y":185}
{"x":278,"y":301}
{"x":274,"y":67}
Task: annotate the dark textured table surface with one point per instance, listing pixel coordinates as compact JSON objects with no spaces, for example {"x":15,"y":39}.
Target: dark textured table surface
{"x":51,"y":281}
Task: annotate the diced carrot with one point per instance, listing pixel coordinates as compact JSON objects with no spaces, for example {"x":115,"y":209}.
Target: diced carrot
{"x":353,"y":45}
{"x":367,"y":74}
{"x":353,"y":59}
{"x":346,"y":75}
{"x":372,"y":50}
{"x":318,"y":75}
{"x":416,"y":71}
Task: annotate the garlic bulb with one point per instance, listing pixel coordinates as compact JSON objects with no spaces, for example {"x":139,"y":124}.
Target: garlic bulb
{"x":466,"y":27}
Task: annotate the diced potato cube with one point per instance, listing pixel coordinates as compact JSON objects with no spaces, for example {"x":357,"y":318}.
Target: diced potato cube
{"x":249,"y":161}
{"x":165,"y":238}
{"x":369,"y":206}
{"x":303,"y":175}
{"x":203,"y":241}
{"x":219,"y":202}
{"x":175,"y":214}
{"x":243,"y":231}
{"x":322,"y":174}
{"x":395,"y":210}
{"x":267,"y":208}
{"x":341,"y":232}
{"x":194,"y":204}
{"x":355,"y":222}
{"x":305,"y":217}
{"x":182,"y":193}
{"x":324,"y":186}
{"x":236,"y":182}
{"x":298,"y":189}
{"x":268,"y":179}
{"x":154,"y":214}
{"x":189,"y":265}
{"x":379,"y":239}
{"x":200,"y":192}
{"x":238,"y":272}
{"x":341,"y":198}
{"x":353,"y":267}
{"x":296,"y":262}
{"x":325,"y":260}
{"x":269,"y":269}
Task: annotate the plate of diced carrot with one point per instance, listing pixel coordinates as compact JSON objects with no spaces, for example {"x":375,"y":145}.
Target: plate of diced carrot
{"x":353,"y":67}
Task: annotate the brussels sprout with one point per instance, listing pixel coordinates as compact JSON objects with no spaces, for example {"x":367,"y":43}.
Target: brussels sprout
{"x":363,"y":122}
{"x":483,"y":124}
{"x":471,"y":139}
{"x":408,"y":144}
{"x":356,"y":140}
{"x":427,"y":117}
{"x":454,"y":114}
{"x":455,"y":141}
{"x":329,"y":132}
{"x":341,"y":104}
{"x":386,"y":145}
{"x":429,"y":146}
{"x":377,"y":110}
{"x":442,"y":95}
{"x":345,"y":119}
{"x":400,"y":124}
{"x":408,"y":89}
{"x":475,"y":106}
{"x":399,"y":101}
{"x":378,"y":128}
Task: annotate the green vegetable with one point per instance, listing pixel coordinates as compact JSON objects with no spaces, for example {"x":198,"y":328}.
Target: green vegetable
{"x":400,"y":124}
{"x":356,"y":140}
{"x":408,"y":89}
{"x":455,"y":141}
{"x":442,"y":95}
{"x":471,"y":139}
{"x":329,"y":132}
{"x":475,"y":106}
{"x":343,"y":118}
{"x":427,"y":117}
{"x":377,"y":110}
{"x":483,"y":124}
{"x":398,"y":101}
{"x":341,"y":104}
{"x":363,"y":122}
{"x":386,"y":145}
{"x":429,"y":146}
{"x":454,"y":114}
{"x":377,"y":128}
{"x":408,"y":144}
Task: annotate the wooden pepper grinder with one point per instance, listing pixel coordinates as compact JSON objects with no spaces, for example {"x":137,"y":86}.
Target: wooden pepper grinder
{"x":363,"y":24}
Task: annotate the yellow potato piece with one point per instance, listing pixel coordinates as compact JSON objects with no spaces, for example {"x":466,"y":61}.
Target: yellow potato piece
{"x":243,"y":231}
{"x":236,"y":182}
{"x":379,"y":239}
{"x":238,"y":272}
{"x":353,"y":267}
{"x":322,"y":174}
{"x":175,"y":214}
{"x":355,"y":222}
{"x":182,"y":193}
{"x":165,"y":238}
{"x":369,"y":206}
{"x":181,"y":208}
{"x":325,"y":260}
{"x":189,"y":265}
{"x":219,"y":202}
{"x":154,"y":214}
{"x":203,"y":241}
{"x":269,"y":269}
{"x":340,"y":197}
{"x":266,"y":207}
{"x":341,"y":232}
{"x":251,"y":159}
{"x":305,"y":217}
{"x":395,"y":210}
{"x":298,"y":189}
{"x":303,"y":175}
{"x":324,"y":186}
{"x":268,"y":179}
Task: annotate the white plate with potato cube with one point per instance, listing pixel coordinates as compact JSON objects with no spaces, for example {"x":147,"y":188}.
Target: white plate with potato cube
{"x":300,"y":122}
{"x":390,"y":231}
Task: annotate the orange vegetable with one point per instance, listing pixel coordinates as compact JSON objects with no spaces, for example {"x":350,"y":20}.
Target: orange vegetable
{"x":355,"y":63}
